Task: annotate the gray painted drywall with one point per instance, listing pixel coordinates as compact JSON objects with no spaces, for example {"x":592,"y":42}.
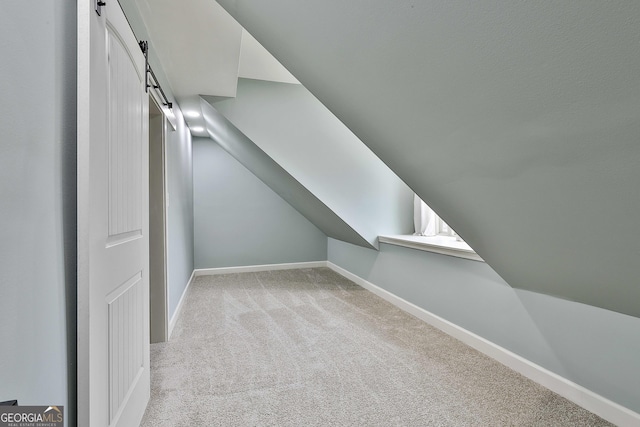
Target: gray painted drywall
{"x":309,"y":142}
{"x":179,"y":175}
{"x":279,"y":180}
{"x":180,"y":253}
{"x":239,"y":220}
{"x":37,"y":207}
{"x":517,"y":122}
{"x":596,"y":348}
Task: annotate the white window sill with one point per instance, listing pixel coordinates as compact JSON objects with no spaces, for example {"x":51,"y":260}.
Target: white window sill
{"x":439,"y":244}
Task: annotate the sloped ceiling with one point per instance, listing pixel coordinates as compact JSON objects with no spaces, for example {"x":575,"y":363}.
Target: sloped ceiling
{"x":268,"y":171}
{"x":197,"y":42}
{"x":203,"y":50}
{"x":518,"y":122}
{"x":294,"y":129}
{"x":257,"y":63}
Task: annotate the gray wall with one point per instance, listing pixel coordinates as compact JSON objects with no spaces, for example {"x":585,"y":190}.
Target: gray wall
{"x":517,"y":122}
{"x":180,"y":243}
{"x":309,"y":142}
{"x":596,"y":348}
{"x":240,"y":221}
{"x":179,"y":175}
{"x":37,"y":203}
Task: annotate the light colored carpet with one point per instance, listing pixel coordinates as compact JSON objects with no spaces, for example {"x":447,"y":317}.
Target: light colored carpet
{"x":310,"y":348}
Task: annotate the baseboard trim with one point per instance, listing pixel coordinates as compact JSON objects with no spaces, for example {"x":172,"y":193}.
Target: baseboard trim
{"x":255,"y":268}
{"x":591,"y":401}
{"x":176,"y":314}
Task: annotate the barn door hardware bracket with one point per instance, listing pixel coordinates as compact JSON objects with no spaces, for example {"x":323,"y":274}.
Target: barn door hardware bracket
{"x":150,"y":79}
{"x":99,"y":5}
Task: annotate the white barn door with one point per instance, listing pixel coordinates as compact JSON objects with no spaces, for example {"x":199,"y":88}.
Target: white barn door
{"x":113,"y":217}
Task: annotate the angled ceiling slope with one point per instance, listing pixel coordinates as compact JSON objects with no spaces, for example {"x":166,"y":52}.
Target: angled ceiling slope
{"x":268,"y":171}
{"x":293,"y":128}
{"x":518,"y":122}
{"x":257,"y":63}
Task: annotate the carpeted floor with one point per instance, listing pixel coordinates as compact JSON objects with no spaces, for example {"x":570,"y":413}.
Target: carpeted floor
{"x":310,"y":348}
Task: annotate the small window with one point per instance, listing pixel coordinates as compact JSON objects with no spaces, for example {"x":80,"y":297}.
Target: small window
{"x":428,"y":223}
{"x":443,"y":228}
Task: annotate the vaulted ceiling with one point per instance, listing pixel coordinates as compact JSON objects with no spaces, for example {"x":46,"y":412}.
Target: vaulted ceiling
{"x":295,"y":130}
{"x":518,"y":122}
{"x":230,"y":138}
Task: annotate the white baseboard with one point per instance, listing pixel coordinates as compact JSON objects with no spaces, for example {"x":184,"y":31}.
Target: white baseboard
{"x":255,"y":268}
{"x":599,"y":405}
{"x":176,"y":314}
